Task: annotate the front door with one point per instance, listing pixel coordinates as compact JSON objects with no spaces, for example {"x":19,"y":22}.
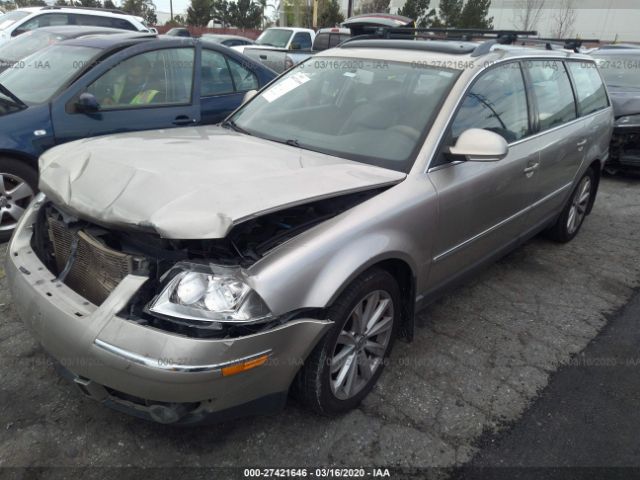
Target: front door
{"x":141,"y":90}
{"x":482,"y":205}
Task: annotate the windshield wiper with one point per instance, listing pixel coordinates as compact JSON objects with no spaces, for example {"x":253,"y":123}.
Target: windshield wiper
{"x":234,"y":126}
{"x":8,"y":93}
{"x":293,"y":142}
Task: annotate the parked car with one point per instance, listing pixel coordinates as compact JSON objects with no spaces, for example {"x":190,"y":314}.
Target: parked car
{"x":30,"y":42}
{"x":281,"y":59}
{"x":227,"y":40}
{"x":621,"y":70}
{"x":203,"y":272}
{"x":23,"y":20}
{"x":280,"y":48}
{"x":178,"y":32}
{"x":140,"y":82}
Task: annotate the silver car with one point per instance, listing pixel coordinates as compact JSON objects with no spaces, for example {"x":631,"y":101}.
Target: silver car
{"x":203,"y":273}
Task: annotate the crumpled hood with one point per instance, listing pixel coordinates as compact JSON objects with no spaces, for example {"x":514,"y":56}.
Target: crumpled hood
{"x":625,"y":102}
{"x":193,"y":183}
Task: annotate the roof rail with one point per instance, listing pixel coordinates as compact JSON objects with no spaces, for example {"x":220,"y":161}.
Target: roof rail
{"x":109,"y":10}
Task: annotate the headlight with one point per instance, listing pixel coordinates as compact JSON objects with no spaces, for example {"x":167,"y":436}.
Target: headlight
{"x":211,"y":294}
{"x":628,"y":121}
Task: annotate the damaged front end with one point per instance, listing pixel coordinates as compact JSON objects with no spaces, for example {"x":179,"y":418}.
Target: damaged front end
{"x":624,"y":151}
{"x":196,"y":288}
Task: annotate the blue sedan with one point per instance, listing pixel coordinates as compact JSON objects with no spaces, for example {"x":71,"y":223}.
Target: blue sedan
{"x":104,"y":84}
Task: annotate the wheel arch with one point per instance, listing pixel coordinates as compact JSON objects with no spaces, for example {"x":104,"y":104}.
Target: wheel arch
{"x":404,"y":274}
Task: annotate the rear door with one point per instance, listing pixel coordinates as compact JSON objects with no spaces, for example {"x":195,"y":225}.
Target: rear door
{"x":560,"y":138}
{"x":143,"y":87}
{"x":223,"y":83}
{"x":482,"y":205}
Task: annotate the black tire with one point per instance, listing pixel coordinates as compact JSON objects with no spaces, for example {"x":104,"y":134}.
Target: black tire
{"x":22,"y":170}
{"x":561,"y":231}
{"x":312,"y":385}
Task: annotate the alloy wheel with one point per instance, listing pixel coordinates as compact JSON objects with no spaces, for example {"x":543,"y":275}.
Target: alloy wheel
{"x":15,"y":195}
{"x":361,"y":345}
{"x":579,"y":205}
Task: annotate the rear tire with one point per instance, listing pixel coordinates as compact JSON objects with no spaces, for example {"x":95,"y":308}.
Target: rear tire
{"x":346,"y":364}
{"x":18,"y":185}
{"x":575,"y":211}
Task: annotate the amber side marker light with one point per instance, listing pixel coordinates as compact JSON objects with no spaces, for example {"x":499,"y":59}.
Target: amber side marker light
{"x":244,"y":366}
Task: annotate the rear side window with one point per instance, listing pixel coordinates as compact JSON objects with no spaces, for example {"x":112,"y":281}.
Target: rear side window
{"x":100,"y":21}
{"x":552,"y":91}
{"x":337,"y":38}
{"x":589,"y":87}
{"x":303,"y":39}
{"x":321,"y":42}
{"x":496,"y":102}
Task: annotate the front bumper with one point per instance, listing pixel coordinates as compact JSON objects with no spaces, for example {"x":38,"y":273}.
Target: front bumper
{"x":141,"y":368}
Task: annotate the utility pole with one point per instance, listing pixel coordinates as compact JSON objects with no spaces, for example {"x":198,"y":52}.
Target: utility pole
{"x":350,"y":9}
{"x":171,"y":9}
{"x":315,"y":14}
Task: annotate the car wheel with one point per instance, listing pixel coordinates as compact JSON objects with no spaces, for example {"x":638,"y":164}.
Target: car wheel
{"x":18,"y":184}
{"x":345,"y":365}
{"x":568,"y":224}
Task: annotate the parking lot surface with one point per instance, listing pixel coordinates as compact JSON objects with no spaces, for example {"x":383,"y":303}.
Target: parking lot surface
{"x":480,"y":357}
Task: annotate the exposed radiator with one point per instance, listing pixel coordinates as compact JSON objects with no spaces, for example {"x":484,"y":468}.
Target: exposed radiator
{"x":95,"y":270}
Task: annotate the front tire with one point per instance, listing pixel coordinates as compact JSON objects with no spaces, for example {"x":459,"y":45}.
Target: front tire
{"x":572,"y":217}
{"x":346,"y":364}
{"x":18,"y":185}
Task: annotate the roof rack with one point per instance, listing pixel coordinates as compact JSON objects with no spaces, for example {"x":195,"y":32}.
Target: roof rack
{"x":493,"y":37}
{"x":567,"y":43}
{"x":109,"y":10}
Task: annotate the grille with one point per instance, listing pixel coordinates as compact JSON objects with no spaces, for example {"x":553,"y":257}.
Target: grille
{"x":96,"y":270}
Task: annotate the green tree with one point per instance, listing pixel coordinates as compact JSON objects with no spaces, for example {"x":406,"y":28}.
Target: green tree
{"x":475,"y":14}
{"x":373,"y":6}
{"x":246,"y":14}
{"x":199,"y":13}
{"x":109,"y":4}
{"x":329,"y":14}
{"x":141,"y":8}
{"x":221,"y":12}
{"x":30,"y":3}
{"x":449,"y":12}
{"x":419,"y":11}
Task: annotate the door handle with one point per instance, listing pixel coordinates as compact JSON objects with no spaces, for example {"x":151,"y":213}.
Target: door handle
{"x":532,"y":168}
{"x":581,"y":144}
{"x":182,"y":120}
{"x":263,"y":57}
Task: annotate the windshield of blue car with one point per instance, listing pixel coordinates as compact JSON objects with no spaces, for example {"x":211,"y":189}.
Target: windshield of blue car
{"x":370,"y":111}
{"x":9,"y":18}
{"x":36,"y":78}
{"x":620,"y":70}
{"x":274,"y":37}
{"x":26,"y":44}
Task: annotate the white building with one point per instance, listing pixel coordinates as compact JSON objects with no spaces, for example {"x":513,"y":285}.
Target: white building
{"x":603,"y":19}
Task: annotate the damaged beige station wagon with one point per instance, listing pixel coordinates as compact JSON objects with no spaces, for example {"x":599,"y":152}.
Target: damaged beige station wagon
{"x":202,"y":273}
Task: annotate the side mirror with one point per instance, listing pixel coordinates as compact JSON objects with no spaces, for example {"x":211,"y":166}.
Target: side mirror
{"x":295,"y":46}
{"x":249,"y":95}
{"x":87,"y":103}
{"x":479,"y":145}
{"x":18,"y":31}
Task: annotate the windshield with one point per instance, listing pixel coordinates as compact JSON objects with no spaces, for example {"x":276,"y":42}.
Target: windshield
{"x":620,"y":70}
{"x":10,"y":18}
{"x":274,"y":37}
{"x":370,"y":111}
{"x":38,"y":77}
{"x":26,"y":44}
